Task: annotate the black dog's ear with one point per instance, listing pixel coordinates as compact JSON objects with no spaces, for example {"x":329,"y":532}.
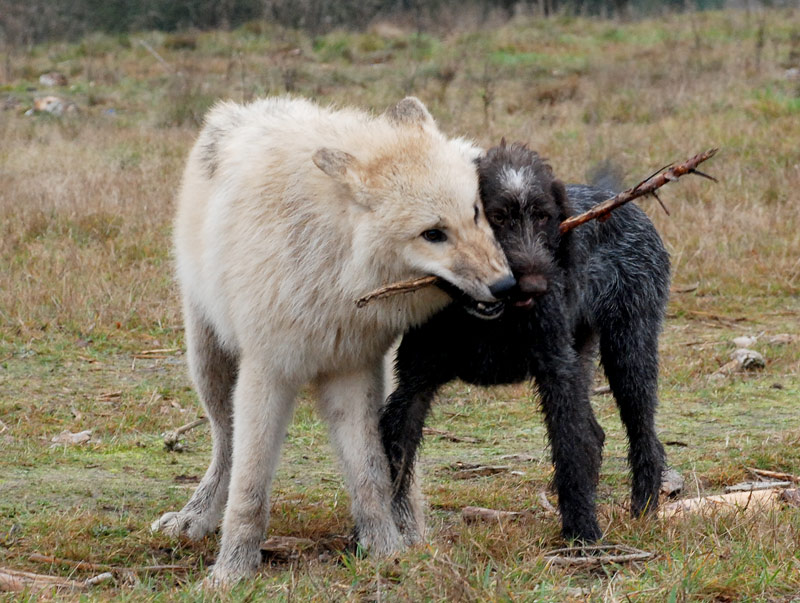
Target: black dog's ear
{"x":562,"y":201}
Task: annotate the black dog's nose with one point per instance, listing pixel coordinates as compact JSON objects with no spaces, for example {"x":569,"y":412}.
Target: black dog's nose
{"x":503,"y":287}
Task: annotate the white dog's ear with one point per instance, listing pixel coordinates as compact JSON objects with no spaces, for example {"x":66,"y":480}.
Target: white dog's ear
{"x":337,"y":164}
{"x":410,"y":111}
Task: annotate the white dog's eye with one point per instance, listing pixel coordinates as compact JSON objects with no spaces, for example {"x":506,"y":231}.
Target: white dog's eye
{"x":434,"y":235}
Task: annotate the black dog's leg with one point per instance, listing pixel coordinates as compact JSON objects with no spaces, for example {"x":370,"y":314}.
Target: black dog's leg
{"x":420,"y":371}
{"x":576,"y":437}
{"x":401,"y":428}
{"x":630,"y":358}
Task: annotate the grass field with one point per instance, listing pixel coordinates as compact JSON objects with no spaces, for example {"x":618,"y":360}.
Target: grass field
{"x":86,"y":287}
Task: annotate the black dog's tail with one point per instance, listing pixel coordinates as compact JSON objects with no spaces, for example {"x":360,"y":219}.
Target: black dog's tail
{"x":606,"y":175}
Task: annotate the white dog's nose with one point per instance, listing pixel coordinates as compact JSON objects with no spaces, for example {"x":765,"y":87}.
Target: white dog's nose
{"x":502,"y":287}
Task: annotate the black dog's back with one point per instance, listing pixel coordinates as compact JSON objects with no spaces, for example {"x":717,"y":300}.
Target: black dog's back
{"x":603,"y":283}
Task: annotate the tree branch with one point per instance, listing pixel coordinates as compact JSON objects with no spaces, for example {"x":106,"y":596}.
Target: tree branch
{"x":645,"y":187}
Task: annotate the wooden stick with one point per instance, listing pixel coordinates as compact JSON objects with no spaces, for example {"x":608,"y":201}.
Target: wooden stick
{"x":751,"y":486}
{"x":647,"y":186}
{"x":395,"y":288}
{"x":171,"y":437}
{"x":576,"y":555}
{"x":542,"y":498}
{"x":449,"y":436}
{"x":87,"y":565}
{"x":473,"y":514}
{"x":773,"y":474}
{"x":12,"y":580}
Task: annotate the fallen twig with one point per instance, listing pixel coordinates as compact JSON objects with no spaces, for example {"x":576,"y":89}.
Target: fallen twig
{"x":586,"y":555}
{"x":291,"y":546}
{"x":602,"y":210}
{"x":473,"y":514}
{"x":480,"y":471}
{"x":171,"y":438}
{"x":542,"y":498}
{"x":773,"y":474}
{"x":449,"y":436}
{"x":685,"y":288}
{"x":159,"y":354}
{"x":87,"y":565}
{"x":17,"y":581}
{"x":751,"y":486}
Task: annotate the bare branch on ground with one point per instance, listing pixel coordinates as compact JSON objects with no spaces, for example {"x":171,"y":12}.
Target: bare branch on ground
{"x":593,"y":555}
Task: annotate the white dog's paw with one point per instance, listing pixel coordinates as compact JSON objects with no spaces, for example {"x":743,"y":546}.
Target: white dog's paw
{"x":180,"y":524}
{"x":232,"y":565}
{"x":382,"y":541}
{"x":220,"y":580}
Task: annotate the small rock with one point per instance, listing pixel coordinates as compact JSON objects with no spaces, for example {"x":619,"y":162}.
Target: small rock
{"x":65,"y":437}
{"x":54,"y":78}
{"x":671,"y":482}
{"x":53,"y":105}
{"x":745,"y":341}
{"x":748,"y":359}
{"x":791,"y":496}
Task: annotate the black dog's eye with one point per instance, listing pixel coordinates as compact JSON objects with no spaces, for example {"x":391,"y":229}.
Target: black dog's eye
{"x":434,"y":235}
{"x":497,"y":218}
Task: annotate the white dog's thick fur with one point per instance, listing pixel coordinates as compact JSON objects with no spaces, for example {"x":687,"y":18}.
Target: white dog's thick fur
{"x":289,"y":212}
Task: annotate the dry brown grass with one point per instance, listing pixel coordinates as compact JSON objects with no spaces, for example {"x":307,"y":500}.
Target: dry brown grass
{"x":86,"y":205}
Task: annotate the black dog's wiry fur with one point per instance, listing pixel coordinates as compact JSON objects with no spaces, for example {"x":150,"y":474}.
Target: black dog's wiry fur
{"x":602,"y":283}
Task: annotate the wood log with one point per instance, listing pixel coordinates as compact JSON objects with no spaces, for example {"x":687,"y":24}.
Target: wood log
{"x":745,"y":502}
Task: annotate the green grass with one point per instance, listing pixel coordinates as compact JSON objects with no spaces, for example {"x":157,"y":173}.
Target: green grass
{"x":86,"y":207}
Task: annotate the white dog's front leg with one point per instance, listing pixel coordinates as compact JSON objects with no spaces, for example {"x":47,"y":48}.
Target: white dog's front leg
{"x":262,"y":409}
{"x":351,"y":404}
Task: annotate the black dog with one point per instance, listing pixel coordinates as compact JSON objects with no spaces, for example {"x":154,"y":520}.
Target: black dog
{"x":603,"y":283}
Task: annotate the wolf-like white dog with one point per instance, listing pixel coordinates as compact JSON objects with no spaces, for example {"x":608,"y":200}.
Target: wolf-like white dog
{"x":288,"y":212}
